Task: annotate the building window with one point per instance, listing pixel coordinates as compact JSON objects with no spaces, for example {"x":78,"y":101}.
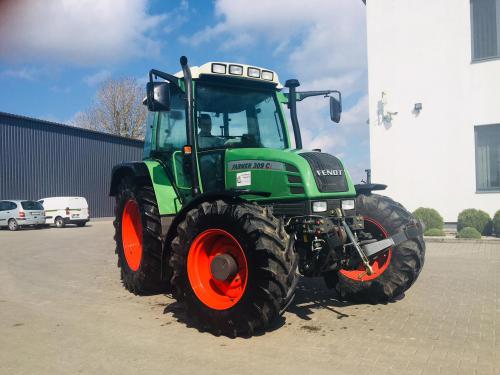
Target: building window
{"x":487,"y":157}
{"x":485,"y":22}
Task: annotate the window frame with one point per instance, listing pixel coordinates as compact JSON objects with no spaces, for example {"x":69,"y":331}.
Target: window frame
{"x":476,"y":60}
{"x":478,"y":190}
{"x":272,"y":91}
{"x":155,"y":148}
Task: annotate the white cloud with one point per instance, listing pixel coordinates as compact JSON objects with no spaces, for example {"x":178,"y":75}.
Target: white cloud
{"x":60,"y":89}
{"x":357,"y":115}
{"x":28,"y":74}
{"x":177,"y":17}
{"x":77,"y":31}
{"x":96,"y":78}
{"x":324,"y":41}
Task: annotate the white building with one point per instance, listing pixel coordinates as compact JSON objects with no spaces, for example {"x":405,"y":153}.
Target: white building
{"x":434,"y":89}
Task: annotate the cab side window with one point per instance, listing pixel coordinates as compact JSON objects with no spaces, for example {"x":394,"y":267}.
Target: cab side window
{"x":171,"y":128}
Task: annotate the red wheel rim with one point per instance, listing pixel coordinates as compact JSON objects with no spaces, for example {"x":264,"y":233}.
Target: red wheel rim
{"x":132,"y":234}
{"x":214,"y":293}
{"x":379,"y":264}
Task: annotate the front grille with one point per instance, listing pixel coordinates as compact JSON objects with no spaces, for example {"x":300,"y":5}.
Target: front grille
{"x":290,"y":208}
{"x":297,"y":190}
{"x":328,"y":172}
{"x":294,"y":179}
{"x":291,"y":168}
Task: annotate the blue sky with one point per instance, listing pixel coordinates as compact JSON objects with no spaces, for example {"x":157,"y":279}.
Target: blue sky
{"x":53,"y":55}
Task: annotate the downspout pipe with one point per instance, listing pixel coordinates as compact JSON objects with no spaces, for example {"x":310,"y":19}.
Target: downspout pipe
{"x":190,"y":124}
{"x":292,"y":85}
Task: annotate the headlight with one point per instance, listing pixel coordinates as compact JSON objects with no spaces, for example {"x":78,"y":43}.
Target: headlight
{"x":236,"y":69}
{"x":348,"y":204}
{"x":267,"y":75}
{"x":253,"y":72}
{"x":319,"y":206}
{"x":219,"y":68}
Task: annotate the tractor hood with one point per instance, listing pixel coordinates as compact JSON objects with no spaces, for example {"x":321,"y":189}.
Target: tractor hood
{"x":287,"y":174}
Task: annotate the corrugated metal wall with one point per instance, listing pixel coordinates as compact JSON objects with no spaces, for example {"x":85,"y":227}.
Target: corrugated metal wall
{"x":43,"y":159}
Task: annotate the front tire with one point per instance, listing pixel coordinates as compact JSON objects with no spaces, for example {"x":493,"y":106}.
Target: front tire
{"x":265,"y":277}
{"x":138,"y":239}
{"x":395,"y":270}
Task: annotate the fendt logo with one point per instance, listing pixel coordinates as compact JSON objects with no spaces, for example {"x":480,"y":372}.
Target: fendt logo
{"x":329,"y":172}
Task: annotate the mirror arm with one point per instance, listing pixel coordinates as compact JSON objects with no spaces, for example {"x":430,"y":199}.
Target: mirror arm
{"x":306,"y":94}
{"x":166,"y":76}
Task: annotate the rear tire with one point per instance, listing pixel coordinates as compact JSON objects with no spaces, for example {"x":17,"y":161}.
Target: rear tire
{"x":269,"y":269}
{"x":59,"y":222}
{"x":13,"y":225}
{"x":81,"y":224}
{"x":140,"y":272}
{"x":400,"y":269}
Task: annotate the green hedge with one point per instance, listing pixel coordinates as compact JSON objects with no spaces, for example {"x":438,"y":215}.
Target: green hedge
{"x":477,"y":219}
{"x":430,"y":217}
{"x":469,"y":232}
{"x":496,"y":223}
{"x":434,"y":232}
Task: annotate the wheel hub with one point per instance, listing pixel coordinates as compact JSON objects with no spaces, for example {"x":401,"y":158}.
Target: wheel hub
{"x":377,"y":265}
{"x":217,"y":269}
{"x":132,"y":234}
{"x":223,"y":267}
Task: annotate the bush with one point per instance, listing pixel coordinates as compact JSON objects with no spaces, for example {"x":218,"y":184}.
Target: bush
{"x":430,"y":217}
{"x":496,"y":223}
{"x":434,"y":232}
{"x":477,"y":219}
{"x":469,"y":232}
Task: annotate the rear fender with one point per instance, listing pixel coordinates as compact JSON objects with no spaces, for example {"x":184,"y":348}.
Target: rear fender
{"x":135,"y":169}
{"x":148,"y":172}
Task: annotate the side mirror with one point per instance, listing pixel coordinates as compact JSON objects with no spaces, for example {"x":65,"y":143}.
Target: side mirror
{"x":335,"y":109}
{"x":158,"y":96}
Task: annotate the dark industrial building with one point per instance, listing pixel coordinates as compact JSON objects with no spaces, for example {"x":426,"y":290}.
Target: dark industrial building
{"x":41,"y":159}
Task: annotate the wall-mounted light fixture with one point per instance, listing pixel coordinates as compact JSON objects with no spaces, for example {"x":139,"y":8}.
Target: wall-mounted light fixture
{"x":387,"y":114}
{"x":417,"y":108}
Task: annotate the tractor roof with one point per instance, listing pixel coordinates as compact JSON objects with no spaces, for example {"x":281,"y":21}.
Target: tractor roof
{"x":235,"y":70}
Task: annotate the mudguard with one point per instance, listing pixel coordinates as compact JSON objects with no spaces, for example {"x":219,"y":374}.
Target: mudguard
{"x":149,"y":172}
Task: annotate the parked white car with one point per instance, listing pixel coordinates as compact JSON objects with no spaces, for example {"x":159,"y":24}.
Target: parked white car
{"x":15,"y":214}
{"x":66,"y":210}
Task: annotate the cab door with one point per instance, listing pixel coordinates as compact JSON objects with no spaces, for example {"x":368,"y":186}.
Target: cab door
{"x":170,"y":137}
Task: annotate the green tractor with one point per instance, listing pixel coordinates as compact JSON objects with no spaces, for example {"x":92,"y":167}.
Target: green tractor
{"x":226,"y":214}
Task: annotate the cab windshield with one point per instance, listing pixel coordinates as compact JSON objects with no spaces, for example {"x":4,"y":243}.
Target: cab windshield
{"x":229,"y":117}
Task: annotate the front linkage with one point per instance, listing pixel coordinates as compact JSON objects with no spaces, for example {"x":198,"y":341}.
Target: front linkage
{"x":339,"y":241}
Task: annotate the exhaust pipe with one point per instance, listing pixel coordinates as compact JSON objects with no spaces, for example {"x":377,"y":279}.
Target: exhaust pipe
{"x":190,"y":123}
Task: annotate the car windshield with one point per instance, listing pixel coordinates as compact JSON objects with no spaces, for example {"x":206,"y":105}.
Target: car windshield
{"x":30,"y":205}
{"x":229,"y":117}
